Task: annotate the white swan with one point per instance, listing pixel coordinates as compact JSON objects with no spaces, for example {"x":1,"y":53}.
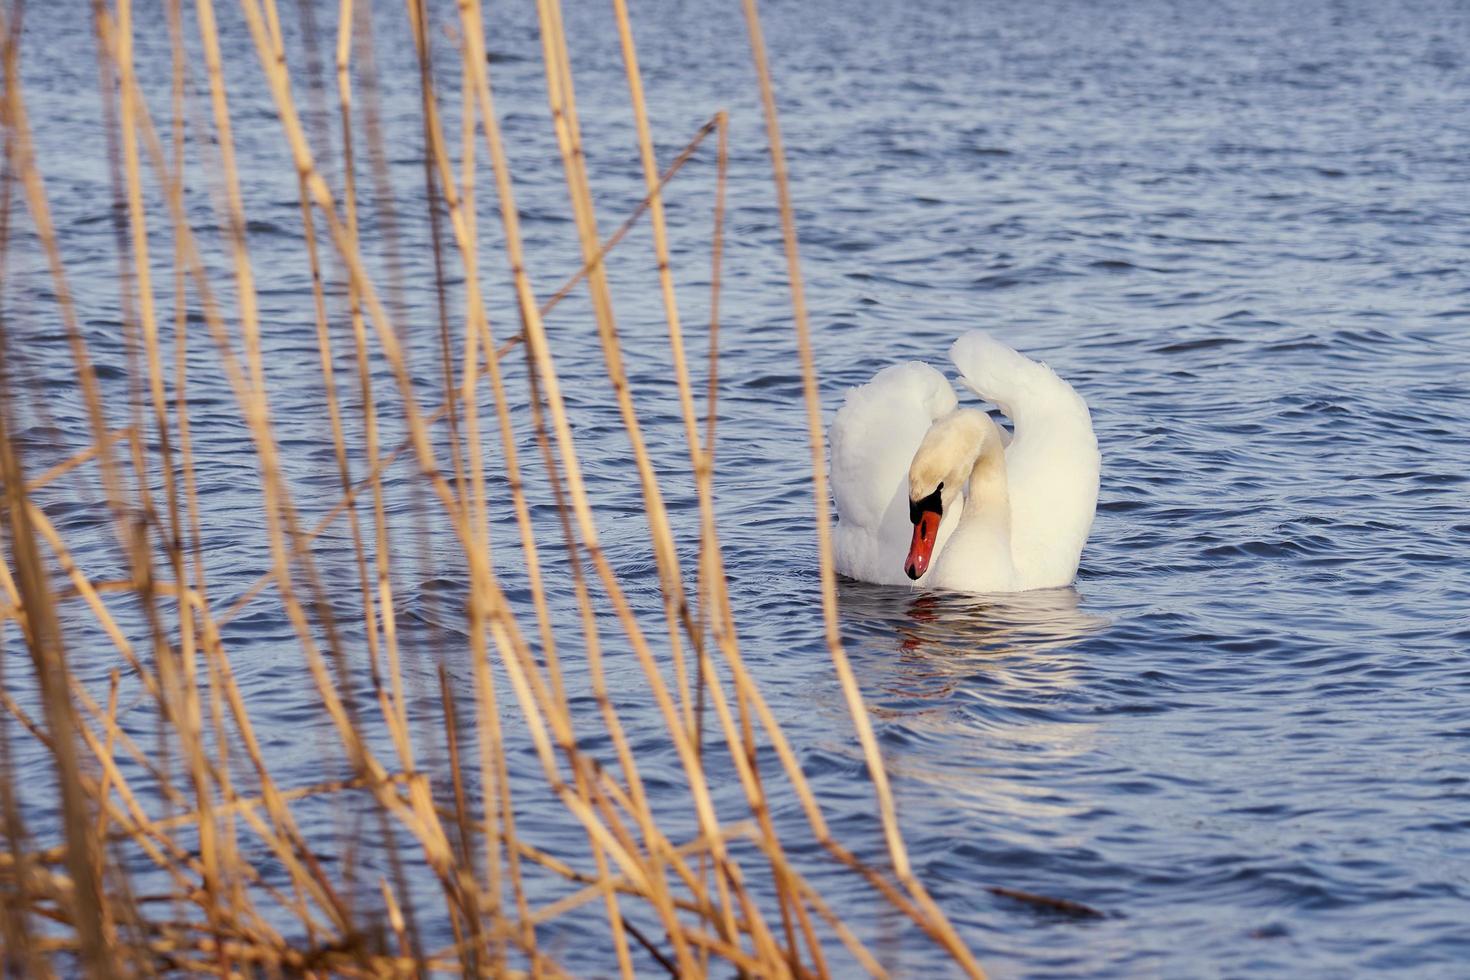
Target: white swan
{"x":938,"y":494}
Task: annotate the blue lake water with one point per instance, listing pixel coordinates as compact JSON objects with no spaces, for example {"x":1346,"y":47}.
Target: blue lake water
{"x":1239,"y":229}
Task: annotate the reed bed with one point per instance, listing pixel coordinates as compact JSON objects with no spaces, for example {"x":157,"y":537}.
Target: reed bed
{"x":185,"y":850}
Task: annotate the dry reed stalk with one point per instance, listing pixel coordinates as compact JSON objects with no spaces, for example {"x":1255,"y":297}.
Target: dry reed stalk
{"x":552,"y":703}
{"x":78,"y":458}
{"x":42,"y":629}
{"x":568,"y":132}
{"x":676,"y":607}
{"x":701,"y":459}
{"x":368,"y":413}
{"x":233,"y":868}
{"x":183,"y":699}
{"x":936,"y":920}
{"x":109,"y":926}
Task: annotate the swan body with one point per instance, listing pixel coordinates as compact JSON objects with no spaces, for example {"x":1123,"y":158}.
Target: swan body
{"x":915,"y":474}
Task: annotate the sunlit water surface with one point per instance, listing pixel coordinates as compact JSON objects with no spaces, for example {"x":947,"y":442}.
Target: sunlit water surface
{"x":1239,"y":229}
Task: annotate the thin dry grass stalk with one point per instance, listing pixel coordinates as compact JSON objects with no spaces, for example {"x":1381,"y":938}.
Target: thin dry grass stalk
{"x":193,"y":849}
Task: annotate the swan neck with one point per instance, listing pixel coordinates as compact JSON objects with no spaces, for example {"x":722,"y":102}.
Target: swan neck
{"x":987,"y":483}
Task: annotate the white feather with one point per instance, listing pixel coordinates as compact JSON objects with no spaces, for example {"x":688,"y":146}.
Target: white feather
{"x":873,"y":438}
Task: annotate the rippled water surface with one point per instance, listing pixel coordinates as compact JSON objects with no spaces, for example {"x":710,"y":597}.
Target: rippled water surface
{"x":1239,"y":229}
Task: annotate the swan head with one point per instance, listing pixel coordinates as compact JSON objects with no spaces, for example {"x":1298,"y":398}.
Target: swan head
{"x":937,"y":475}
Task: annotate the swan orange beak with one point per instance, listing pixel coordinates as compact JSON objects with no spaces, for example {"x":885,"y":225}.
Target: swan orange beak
{"x":921,"y":548}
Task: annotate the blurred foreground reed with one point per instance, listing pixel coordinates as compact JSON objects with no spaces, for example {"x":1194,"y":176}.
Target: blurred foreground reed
{"x":185,"y":851}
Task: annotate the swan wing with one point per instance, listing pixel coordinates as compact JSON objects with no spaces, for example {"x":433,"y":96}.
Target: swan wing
{"x":1052,"y":462}
{"x":873,"y":438}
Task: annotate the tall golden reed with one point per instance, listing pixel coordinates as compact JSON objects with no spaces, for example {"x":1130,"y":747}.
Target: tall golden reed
{"x":201,"y":805}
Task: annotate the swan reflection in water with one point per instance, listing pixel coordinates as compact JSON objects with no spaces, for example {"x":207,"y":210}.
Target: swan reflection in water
{"x":930,"y":645}
{"x":972,"y":692}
